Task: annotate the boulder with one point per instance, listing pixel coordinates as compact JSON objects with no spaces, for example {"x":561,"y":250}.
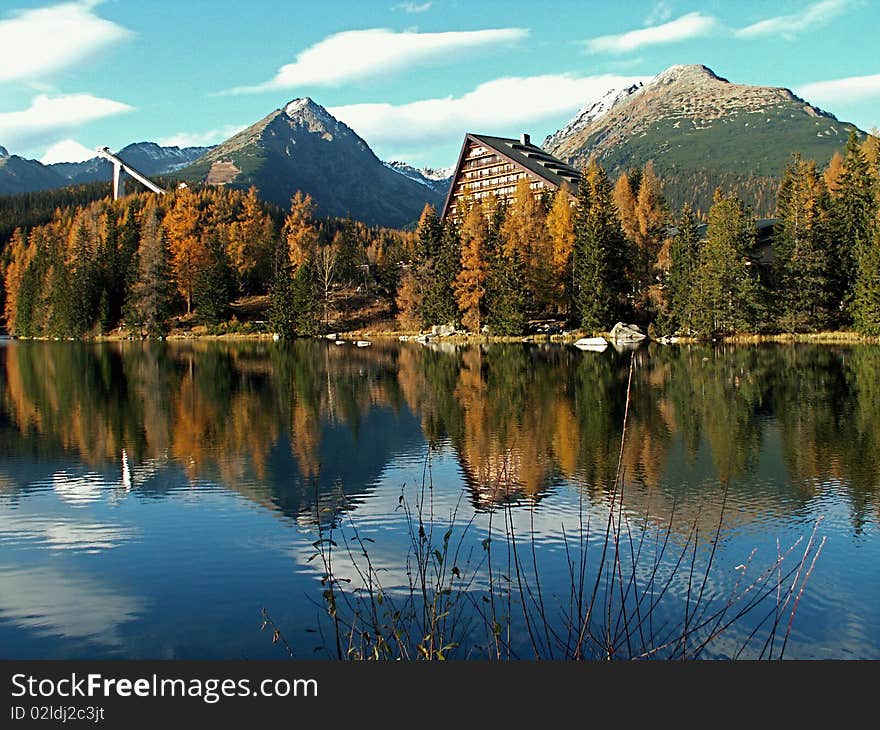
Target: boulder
{"x":443,"y":330}
{"x":627,"y":333}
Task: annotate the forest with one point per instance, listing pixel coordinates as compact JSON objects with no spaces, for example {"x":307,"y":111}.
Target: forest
{"x":609,"y":251}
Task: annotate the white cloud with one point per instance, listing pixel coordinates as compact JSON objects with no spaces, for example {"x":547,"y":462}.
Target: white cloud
{"x":788,"y":26}
{"x":413,"y":7}
{"x":67,"y":150}
{"x":356,"y":55}
{"x":201,"y":139}
{"x":852,"y":89}
{"x":39,"y":42}
{"x":510,"y":104}
{"x":48,"y":117}
{"x":660,"y":13}
{"x":692,"y":25}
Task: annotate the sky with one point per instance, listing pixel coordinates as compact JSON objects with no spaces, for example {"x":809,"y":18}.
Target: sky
{"x":409,"y":77}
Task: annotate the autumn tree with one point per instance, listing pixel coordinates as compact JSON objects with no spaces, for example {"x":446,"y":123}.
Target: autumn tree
{"x":185,"y":242}
{"x":599,"y":266}
{"x":625,"y":201}
{"x":470,"y":283}
{"x":249,"y":244}
{"x":560,"y":226}
{"x":525,"y":231}
{"x":299,"y":230}
{"x":651,"y":217}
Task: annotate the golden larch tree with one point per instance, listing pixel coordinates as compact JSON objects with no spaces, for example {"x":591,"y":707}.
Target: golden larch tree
{"x":470,"y":284}
{"x":299,"y":229}
{"x":560,"y":226}
{"x":525,"y":231}
{"x":183,"y":232}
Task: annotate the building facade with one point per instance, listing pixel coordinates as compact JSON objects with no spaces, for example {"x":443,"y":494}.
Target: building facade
{"x":494,"y":166}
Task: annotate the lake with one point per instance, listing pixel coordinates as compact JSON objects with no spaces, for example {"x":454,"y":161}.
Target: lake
{"x":156,"y":497}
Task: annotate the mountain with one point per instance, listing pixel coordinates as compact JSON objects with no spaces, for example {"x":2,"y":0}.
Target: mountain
{"x":303,"y":147}
{"x":148,"y":158}
{"x":702,"y":131}
{"x":437,"y":180}
{"x":18,"y":175}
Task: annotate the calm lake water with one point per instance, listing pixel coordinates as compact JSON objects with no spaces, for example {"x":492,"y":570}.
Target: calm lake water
{"x":155,"y":497}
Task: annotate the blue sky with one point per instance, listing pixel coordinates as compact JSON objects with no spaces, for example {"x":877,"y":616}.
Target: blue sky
{"x":409,"y":77}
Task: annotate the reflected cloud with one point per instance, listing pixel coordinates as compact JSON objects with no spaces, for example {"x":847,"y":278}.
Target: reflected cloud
{"x":51,"y":602}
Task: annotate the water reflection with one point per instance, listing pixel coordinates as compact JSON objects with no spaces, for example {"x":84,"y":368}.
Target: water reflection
{"x":276,"y":423}
{"x":179,"y":461}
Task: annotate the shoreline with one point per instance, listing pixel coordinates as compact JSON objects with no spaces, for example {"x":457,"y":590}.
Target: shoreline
{"x":814,"y":338}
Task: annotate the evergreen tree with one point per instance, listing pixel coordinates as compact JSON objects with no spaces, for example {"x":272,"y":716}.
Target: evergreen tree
{"x":802,"y":242}
{"x":85,"y":283}
{"x":214,"y":284}
{"x":598,"y":269}
{"x":149,"y":298}
{"x":684,"y":262}
{"x":866,"y":300}
{"x":727,"y":296}
{"x":438,"y":277}
{"x":293,"y":297}
{"x":854,"y":208}
{"x":305,"y":299}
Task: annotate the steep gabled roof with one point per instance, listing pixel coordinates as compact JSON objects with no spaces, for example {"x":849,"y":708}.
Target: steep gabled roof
{"x":530,"y":157}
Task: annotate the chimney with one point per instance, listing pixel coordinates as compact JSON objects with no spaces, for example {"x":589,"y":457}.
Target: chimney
{"x":525,"y":139}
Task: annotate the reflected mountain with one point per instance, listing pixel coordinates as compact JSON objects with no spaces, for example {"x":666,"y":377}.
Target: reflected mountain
{"x":289,"y":425}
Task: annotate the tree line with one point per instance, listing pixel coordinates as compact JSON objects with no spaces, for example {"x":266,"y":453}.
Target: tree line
{"x":616,"y":252}
{"x":139,"y":262}
{"x":588,"y":258}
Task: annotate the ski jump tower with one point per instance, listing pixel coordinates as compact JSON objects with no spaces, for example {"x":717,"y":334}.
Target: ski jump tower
{"x":118,"y":168}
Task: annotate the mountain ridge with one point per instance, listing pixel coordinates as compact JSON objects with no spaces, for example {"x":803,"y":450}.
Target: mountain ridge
{"x":701,"y":130}
{"x":301,"y":146}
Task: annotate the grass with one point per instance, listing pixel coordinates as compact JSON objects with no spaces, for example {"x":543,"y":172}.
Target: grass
{"x":634,"y":592}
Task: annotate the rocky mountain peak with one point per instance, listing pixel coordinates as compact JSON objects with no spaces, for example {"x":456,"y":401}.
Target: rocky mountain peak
{"x":3,"y":153}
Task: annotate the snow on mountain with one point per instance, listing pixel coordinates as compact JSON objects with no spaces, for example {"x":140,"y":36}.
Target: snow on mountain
{"x":3,"y":153}
{"x":433,"y":178}
{"x":593,"y":111}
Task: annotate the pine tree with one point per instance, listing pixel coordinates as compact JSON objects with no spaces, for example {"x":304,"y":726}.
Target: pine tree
{"x":470,"y":283}
{"x":214,"y":284}
{"x":560,"y":225}
{"x":802,"y":243}
{"x":149,"y":299}
{"x":293,"y":297}
{"x":598,"y":271}
{"x":305,"y":299}
{"x":85,"y":282}
{"x":438,"y":276}
{"x":727,"y":296}
{"x":866,"y":299}
{"x":684,"y":262}
{"x":854,"y":209}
